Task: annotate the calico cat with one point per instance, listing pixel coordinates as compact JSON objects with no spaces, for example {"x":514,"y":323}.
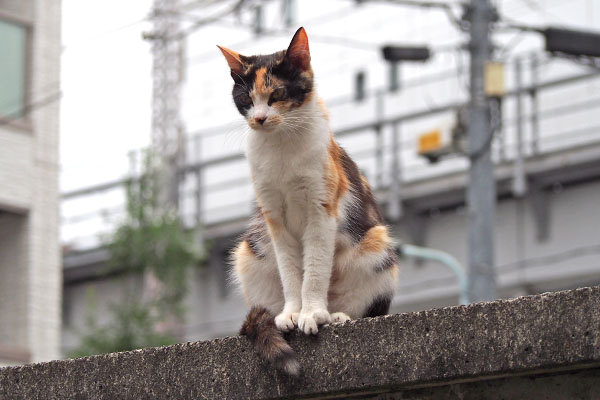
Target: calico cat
{"x":317,"y":250}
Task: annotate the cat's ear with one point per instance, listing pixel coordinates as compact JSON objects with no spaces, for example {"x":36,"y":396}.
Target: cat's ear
{"x":298,"y":53}
{"x":234,"y":60}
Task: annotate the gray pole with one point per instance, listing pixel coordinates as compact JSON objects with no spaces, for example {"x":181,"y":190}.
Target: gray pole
{"x":481,"y":193}
{"x":394,"y":206}
{"x":519,"y":184}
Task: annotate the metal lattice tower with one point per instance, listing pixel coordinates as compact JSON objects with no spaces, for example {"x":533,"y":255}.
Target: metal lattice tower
{"x":167,"y":75}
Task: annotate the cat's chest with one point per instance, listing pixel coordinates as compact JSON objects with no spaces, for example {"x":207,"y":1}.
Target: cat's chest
{"x":288,"y":190}
{"x":291,"y":171}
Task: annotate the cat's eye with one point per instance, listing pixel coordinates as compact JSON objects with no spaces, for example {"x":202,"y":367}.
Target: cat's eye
{"x":245,"y":99}
{"x":277,"y":95}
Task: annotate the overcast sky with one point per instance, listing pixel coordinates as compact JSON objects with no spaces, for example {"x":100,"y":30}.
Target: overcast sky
{"x":106,"y":83}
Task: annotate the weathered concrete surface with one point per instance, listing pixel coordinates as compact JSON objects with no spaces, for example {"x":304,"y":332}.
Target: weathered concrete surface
{"x":571,"y":385}
{"x":431,"y":354}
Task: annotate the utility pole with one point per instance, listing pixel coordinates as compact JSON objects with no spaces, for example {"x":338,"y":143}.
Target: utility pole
{"x":481,"y":193}
{"x":167,"y":75}
{"x":167,"y":130}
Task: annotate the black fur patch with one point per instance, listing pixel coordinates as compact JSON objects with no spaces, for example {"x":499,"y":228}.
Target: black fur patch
{"x":297,"y":85}
{"x":365,"y":214}
{"x":256,"y":234}
{"x":380,"y":306}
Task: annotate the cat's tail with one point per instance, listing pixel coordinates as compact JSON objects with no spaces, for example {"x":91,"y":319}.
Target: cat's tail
{"x":260,"y":328}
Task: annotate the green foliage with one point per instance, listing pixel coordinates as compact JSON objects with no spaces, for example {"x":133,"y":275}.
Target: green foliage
{"x":131,"y":326}
{"x":152,"y":239}
{"x":149,"y":240}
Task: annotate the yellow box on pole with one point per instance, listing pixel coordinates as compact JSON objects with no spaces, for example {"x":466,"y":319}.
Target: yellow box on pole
{"x":430,"y":141}
{"x":494,"y":79}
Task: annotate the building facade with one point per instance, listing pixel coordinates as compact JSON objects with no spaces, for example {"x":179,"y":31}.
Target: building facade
{"x":30,"y":264}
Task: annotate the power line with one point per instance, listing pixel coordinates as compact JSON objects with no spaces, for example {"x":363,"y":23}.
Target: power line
{"x":538,"y":8}
{"x":205,"y":21}
{"x":326,"y":18}
{"x":102,"y":35}
{"x":29,"y":108}
{"x":446,"y":7}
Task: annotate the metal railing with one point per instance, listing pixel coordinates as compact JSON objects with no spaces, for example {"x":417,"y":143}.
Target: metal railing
{"x":208,"y":201}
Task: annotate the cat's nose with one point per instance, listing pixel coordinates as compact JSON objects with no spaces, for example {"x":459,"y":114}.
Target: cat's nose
{"x":261,"y":120}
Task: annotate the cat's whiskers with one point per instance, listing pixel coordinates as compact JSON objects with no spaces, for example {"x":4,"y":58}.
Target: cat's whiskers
{"x":234,"y":136}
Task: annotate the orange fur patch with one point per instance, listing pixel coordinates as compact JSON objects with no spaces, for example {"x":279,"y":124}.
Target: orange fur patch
{"x":395,"y":271}
{"x":274,"y":82}
{"x":274,"y":225}
{"x":336,"y":182}
{"x":243,"y":256}
{"x":375,"y":240}
{"x":260,"y":84}
{"x":233,"y":59}
{"x":323,"y":108}
{"x":283,"y":106}
{"x":276,"y":119}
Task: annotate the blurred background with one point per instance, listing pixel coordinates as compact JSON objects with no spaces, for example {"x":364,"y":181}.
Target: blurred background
{"x":123,"y":184}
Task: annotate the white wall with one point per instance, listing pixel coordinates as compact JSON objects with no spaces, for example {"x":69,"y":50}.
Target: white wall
{"x":29,"y":186}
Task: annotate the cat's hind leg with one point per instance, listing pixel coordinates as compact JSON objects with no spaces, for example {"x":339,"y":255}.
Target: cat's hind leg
{"x":256,"y":275}
{"x":339,"y":317}
{"x":365,"y":276}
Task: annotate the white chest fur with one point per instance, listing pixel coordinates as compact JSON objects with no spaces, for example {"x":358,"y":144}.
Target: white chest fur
{"x":287,"y":169}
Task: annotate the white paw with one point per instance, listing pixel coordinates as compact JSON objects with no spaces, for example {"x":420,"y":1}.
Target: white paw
{"x":308,"y":322}
{"x":286,"y":321}
{"x":295,"y":316}
{"x":339,"y":317}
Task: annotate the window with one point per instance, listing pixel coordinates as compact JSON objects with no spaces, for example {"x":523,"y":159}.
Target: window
{"x":13,"y":49}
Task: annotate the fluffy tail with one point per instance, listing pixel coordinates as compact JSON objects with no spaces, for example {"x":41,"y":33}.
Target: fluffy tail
{"x":260,"y":328}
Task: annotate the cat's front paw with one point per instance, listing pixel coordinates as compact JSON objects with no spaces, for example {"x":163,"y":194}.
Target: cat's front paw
{"x":309,"y":322}
{"x":339,"y":317}
{"x":286,"y":321}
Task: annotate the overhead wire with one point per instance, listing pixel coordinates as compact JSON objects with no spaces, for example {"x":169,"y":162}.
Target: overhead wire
{"x":208,"y":20}
{"x":28,"y":108}
{"x":338,"y":14}
{"x":447,"y":7}
{"x":538,"y":8}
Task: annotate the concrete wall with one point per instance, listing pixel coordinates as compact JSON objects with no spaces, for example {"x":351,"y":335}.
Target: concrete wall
{"x":30,"y":257}
{"x":538,"y":347}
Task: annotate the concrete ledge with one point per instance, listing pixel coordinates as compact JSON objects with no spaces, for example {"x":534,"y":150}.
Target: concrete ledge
{"x":442,"y":353}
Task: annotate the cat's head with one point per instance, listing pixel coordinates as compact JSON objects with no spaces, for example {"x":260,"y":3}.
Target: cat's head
{"x":268,"y":89}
